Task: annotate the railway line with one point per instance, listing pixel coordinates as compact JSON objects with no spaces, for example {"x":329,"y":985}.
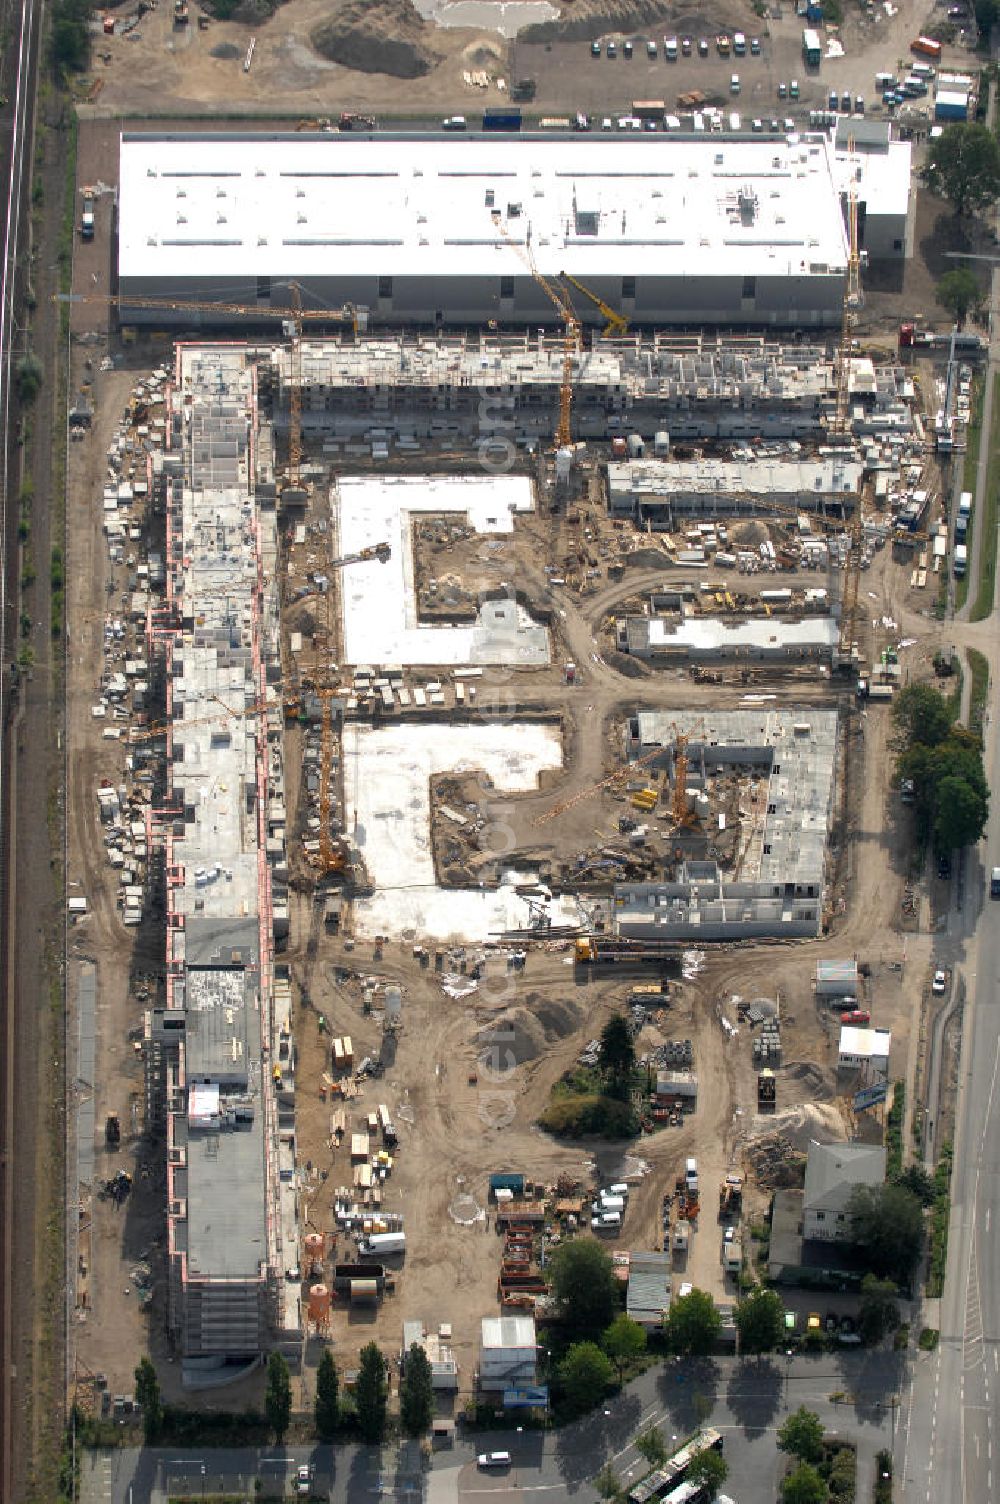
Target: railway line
{"x":18,"y":72}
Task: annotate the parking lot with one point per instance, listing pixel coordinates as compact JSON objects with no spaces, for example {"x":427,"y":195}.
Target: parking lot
{"x":571,"y":76}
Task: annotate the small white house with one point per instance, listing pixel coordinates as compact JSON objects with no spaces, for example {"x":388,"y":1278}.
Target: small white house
{"x":833,"y":1173}
{"x":864,"y":1047}
{"x":509,"y":1353}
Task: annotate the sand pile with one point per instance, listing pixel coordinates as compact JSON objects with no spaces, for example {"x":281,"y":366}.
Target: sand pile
{"x":377,"y":36}
{"x":529,"y":1030}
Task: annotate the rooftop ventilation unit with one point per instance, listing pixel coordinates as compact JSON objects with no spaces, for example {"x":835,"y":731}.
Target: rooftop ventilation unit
{"x":746,"y":202}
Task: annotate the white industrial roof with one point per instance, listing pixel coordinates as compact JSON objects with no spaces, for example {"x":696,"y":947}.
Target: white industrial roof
{"x":508,"y":1331}
{"x":706,"y":634}
{"x":881,"y":174}
{"x":870,"y":1042}
{"x":297,"y":206}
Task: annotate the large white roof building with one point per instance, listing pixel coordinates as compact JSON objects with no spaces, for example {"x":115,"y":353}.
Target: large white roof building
{"x":443,"y":230}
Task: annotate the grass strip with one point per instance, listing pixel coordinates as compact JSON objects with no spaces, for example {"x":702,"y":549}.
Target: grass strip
{"x":983,"y":604}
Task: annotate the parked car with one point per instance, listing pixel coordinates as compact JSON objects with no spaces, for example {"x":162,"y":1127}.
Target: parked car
{"x":702,"y":47}
{"x":782,"y":90}
{"x":627,"y":49}
{"x":595,"y":49}
{"x":650,"y":49}
{"x":755,"y":46}
{"x":858,"y":1016}
{"x":944,"y":867}
{"x":303,"y":1481}
{"x":454,"y":123}
{"x":686,"y":46}
{"x":793,"y":89}
{"x":493,"y":1459}
{"x":612,"y":50}
{"x":940,"y":983}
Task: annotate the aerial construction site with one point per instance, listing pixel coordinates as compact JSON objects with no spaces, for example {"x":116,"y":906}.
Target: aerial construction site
{"x":467,"y":653}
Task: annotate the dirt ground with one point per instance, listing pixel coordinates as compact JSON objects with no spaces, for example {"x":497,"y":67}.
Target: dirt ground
{"x":445,"y":1118}
{"x":450,"y":1138}
{"x":187,"y":70}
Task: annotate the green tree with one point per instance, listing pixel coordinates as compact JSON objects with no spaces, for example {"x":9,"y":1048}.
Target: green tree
{"x":147,"y":1394}
{"x":963,"y":166}
{"x":30,"y":374}
{"x":760,"y":1321}
{"x":624,"y":1341}
{"x":70,"y":44}
{"x":878,"y":1312}
{"x":327,"y":1397}
{"x":803,"y":1486}
{"x":958,"y":291}
{"x":651,"y":1447}
{"x":887,"y":1226}
{"x":371,"y":1393}
{"x":416,"y":1392}
{"x":616,"y":1060}
{"x":960,"y":816}
{"x":801,"y":1435}
{"x":692,"y":1325}
{"x":608,"y":1483}
{"x":278,"y":1396}
{"x":921,"y":715}
{"x":842,"y":1479}
{"x":710,"y":1469}
{"x":584,"y":1285}
{"x":986,"y":13}
{"x":918,"y":1181}
{"x":585,"y":1375}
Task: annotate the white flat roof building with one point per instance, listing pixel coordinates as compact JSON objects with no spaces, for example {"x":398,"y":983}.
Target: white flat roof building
{"x":443,"y":230}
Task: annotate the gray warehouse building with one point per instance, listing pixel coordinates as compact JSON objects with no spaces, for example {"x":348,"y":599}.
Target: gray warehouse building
{"x":445,"y":230}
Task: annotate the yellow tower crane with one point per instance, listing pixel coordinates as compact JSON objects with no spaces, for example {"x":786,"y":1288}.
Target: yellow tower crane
{"x":572,"y":341}
{"x":617,"y":323}
{"x":842,"y":416}
{"x":292,"y":319}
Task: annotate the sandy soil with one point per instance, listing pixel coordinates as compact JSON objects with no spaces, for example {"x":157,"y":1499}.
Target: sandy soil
{"x":189,"y":70}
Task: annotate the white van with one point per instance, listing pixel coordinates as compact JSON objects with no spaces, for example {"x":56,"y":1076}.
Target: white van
{"x":691,"y":1176}
{"x":606,"y":1222}
{"x":493,"y":1459}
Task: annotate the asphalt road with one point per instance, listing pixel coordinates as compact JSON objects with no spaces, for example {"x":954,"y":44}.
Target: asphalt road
{"x":747,"y":1401}
{"x":950,"y":1439}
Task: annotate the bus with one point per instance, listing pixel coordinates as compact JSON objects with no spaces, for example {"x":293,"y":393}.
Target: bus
{"x":812,"y":48}
{"x":927,"y":47}
{"x":665,"y":1480}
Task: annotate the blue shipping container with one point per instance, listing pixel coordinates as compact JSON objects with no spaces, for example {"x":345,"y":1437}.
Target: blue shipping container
{"x":501,"y":120}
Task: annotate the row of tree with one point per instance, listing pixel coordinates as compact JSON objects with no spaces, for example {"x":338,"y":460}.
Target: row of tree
{"x":369,"y":1402}
{"x":944,"y":762}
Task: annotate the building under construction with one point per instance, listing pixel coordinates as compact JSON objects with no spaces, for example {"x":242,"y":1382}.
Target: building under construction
{"x":221,"y":1068}
{"x":776,"y":884}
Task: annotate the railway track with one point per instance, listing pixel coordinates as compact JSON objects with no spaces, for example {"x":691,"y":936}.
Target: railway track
{"x":18,"y":72}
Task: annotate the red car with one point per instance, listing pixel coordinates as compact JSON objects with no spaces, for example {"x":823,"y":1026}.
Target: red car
{"x":858,"y":1016}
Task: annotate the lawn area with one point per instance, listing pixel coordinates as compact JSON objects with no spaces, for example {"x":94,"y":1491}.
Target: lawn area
{"x":980,"y":671}
{"x":983,"y":604}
